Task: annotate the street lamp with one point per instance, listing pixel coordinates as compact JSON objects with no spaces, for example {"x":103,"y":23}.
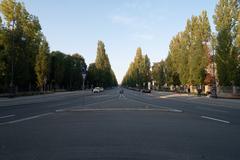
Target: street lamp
{"x":214,"y":85}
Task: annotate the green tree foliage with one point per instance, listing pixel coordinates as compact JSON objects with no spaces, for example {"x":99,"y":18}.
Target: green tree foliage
{"x":226,"y":19}
{"x":25,"y":57}
{"x":57,"y":69}
{"x":21,"y":37}
{"x":188,"y":56}
{"x":41,"y":67}
{"x":159,"y":73}
{"x":24,"y":52}
{"x":100,"y":73}
{"x":73,"y":75}
{"x":92,"y":75}
{"x":65,"y":71}
{"x":146,"y":70}
{"x":138,"y":74}
{"x":3,"y":65}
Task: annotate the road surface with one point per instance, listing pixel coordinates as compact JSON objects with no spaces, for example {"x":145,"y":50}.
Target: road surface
{"x":110,"y":126}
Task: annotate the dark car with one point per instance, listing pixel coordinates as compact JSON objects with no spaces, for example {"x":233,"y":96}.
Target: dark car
{"x":146,"y":90}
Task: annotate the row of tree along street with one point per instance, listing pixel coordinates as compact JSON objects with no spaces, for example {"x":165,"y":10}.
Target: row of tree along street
{"x":100,"y":73}
{"x":26,"y":63}
{"x":138,"y":74}
{"x":191,"y":60}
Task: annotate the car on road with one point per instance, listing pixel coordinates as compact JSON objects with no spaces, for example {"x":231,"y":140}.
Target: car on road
{"x":96,"y":90}
{"x":101,"y":89}
{"x":146,"y":90}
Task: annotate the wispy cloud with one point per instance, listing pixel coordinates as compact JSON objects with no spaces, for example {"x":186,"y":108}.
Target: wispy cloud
{"x":125,"y":20}
{"x":133,"y":17}
{"x":132,"y":22}
{"x":143,"y":36}
{"x":137,"y":15}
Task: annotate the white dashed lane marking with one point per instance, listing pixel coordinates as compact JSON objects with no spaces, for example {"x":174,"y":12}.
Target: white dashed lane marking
{"x":215,"y":119}
{"x":25,"y":119}
{"x":7,"y":116}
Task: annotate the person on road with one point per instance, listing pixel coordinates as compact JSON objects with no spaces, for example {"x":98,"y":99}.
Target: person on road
{"x":121,"y":93}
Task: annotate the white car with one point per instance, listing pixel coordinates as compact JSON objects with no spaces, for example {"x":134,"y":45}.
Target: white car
{"x":96,"y":90}
{"x":101,"y":89}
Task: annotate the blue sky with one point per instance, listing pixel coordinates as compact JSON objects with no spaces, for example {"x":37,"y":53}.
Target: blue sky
{"x":75,"y":26}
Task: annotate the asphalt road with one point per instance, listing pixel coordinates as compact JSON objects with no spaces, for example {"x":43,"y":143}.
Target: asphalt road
{"x":110,"y":126}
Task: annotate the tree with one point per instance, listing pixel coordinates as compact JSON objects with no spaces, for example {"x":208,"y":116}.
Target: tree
{"x":41,"y":67}
{"x":114,"y":81}
{"x":172,"y":76}
{"x":65,"y":71}
{"x":57,"y":69}
{"x":198,"y":57}
{"x":226,"y":21}
{"x":77,"y":68}
{"x":159,"y":73}
{"x":188,"y":57}
{"x":138,"y":72}
{"x":3,"y":64}
{"x":92,"y":75}
{"x":24,"y":54}
{"x":104,"y":74}
{"x":21,"y":40}
{"x":146,"y":75}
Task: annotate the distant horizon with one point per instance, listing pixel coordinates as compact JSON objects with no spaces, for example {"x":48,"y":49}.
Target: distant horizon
{"x":75,"y":27}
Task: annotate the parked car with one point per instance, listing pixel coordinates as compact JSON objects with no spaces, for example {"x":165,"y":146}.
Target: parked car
{"x":96,"y":90}
{"x":146,"y":90}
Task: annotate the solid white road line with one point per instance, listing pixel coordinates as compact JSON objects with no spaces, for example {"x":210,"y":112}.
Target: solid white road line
{"x":7,"y":116}
{"x":25,"y":119}
{"x":215,"y":119}
{"x":118,"y":109}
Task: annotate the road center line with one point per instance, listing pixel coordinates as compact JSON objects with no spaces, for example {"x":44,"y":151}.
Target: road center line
{"x":25,"y":119}
{"x":215,"y":119}
{"x":116,"y":109}
{"x":7,"y":116}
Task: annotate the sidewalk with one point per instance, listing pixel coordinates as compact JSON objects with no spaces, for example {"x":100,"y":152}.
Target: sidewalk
{"x":170,"y":94}
{"x":225,"y":102}
{"x":163,"y":94}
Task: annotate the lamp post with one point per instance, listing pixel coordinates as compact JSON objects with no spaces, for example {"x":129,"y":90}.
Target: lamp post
{"x":214,"y":85}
